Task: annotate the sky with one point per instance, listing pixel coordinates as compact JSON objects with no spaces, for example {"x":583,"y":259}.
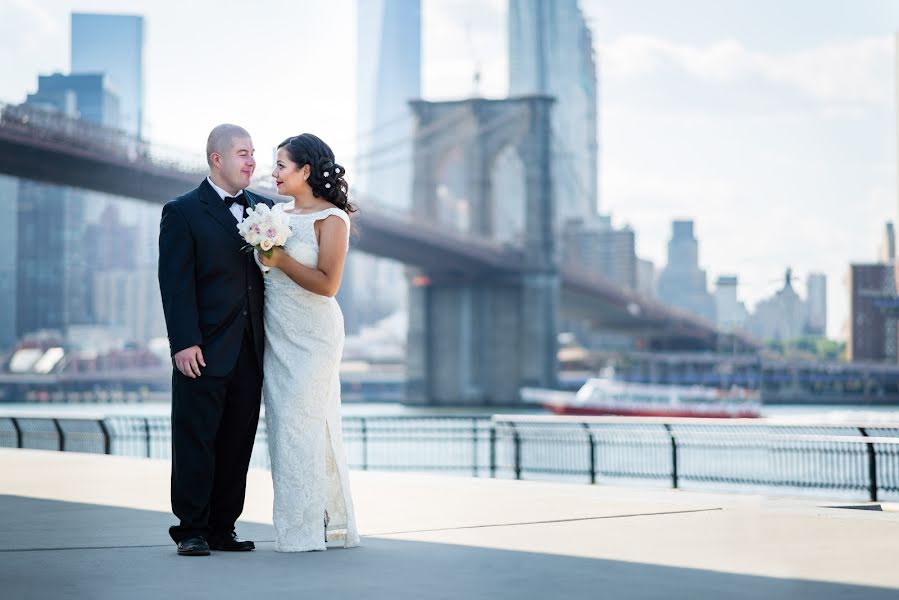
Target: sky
{"x":770,"y":123}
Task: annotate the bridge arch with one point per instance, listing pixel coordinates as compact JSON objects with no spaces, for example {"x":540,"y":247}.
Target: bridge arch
{"x":506,"y":201}
{"x":476,"y":338}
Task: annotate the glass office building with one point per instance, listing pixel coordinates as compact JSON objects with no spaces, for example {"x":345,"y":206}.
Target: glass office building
{"x":388,"y":76}
{"x":114,"y":45}
{"x":551,"y":52}
{"x":89,"y":97}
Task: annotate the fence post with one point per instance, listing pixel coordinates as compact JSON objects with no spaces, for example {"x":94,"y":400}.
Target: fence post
{"x":147,"y":434}
{"x":516,"y":444}
{"x":592,"y":443}
{"x":107,"y":446}
{"x":364,"y":444}
{"x":493,"y":449}
{"x":59,"y":432}
{"x":19,"y":440}
{"x":674,"y":475}
{"x":474,"y":446}
{"x":872,"y":466}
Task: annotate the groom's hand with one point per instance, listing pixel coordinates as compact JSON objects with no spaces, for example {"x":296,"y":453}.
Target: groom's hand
{"x":189,"y":361}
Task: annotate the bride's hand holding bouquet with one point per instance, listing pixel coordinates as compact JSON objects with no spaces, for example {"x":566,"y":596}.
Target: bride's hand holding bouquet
{"x":265,"y":232}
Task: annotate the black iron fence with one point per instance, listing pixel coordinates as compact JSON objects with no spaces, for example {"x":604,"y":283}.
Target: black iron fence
{"x":748,"y":455}
{"x":851,"y":461}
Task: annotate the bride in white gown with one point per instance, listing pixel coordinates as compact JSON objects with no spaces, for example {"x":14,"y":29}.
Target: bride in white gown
{"x":303,"y":345}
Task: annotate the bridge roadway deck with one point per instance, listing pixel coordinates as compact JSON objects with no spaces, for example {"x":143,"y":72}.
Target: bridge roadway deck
{"x":87,"y":526}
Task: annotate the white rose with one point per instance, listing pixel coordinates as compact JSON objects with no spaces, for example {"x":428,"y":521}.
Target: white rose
{"x":266,"y":244}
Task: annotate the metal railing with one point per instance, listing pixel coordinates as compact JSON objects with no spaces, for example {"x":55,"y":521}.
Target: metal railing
{"x":856,"y":461}
{"x":450,"y":444}
{"x":53,"y":126}
{"x":747,"y":455}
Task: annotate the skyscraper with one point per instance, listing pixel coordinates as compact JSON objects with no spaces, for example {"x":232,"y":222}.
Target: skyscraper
{"x":816,"y":305}
{"x":872,"y":330}
{"x":8,"y":259}
{"x":89,"y":97}
{"x":682,"y":283}
{"x":53,"y":281}
{"x":551,"y":52}
{"x":108,"y":243}
{"x":129,"y":299}
{"x":646,"y":277}
{"x":888,"y":245}
{"x":729,"y":311}
{"x":51,"y":276}
{"x":780,"y":317}
{"x":598,"y":248}
{"x":388,"y":76}
{"x":113,"y":45}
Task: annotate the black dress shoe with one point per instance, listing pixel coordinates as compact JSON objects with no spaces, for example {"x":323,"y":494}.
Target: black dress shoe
{"x":230,"y":543}
{"x":193,"y":546}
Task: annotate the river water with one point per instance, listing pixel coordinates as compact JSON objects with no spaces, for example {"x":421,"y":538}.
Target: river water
{"x":823,"y":414}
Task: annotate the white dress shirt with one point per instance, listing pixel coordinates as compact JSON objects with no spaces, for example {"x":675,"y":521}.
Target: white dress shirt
{"x":236,"y":209}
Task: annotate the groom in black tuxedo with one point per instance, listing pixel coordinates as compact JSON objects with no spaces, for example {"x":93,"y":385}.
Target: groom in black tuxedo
{"x":212,"y":298}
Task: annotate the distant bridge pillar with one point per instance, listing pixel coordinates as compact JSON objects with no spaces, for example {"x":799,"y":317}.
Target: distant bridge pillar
{"x":476,"y":338}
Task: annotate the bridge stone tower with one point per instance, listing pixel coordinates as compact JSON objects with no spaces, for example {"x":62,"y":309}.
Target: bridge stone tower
{"x":476,"y":337}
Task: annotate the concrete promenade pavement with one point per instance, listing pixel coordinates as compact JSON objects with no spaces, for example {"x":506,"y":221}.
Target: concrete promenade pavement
{"x":89,"y":526}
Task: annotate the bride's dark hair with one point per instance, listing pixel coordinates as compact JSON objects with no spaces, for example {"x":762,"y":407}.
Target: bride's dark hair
{"x":327,"y":176}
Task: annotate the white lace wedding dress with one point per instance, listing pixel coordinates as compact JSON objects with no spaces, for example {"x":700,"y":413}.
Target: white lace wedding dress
{"x":301,"y":390}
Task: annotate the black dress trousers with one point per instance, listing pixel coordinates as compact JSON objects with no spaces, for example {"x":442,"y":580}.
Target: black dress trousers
{"x":214,"y":422}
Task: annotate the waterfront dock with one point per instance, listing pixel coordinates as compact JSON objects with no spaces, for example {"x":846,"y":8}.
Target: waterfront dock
{"x":94,"y":526}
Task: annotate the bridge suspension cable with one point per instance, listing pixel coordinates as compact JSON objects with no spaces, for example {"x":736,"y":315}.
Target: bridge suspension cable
{"x":458,"y":136}
{"x":386,"y":123}
{"x":401,"y":143}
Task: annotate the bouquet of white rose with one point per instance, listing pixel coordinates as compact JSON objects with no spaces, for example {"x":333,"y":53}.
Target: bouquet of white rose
{"x":264,"y":229}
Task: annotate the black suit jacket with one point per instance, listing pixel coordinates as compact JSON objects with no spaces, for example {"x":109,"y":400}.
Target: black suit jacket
{"x":209,"y":287}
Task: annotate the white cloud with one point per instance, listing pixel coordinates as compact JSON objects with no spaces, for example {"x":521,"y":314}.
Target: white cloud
{"x":859,"y":70}
{"x":783,"y":158}
{"x":26,"y":15}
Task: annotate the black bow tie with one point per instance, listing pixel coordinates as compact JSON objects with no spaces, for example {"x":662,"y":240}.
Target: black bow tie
{"x":241,"y":199}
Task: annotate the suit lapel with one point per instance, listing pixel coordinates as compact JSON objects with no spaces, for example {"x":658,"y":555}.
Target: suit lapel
{"x":218,"y":211}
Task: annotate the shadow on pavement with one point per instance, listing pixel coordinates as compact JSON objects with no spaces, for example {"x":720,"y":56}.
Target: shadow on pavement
{"x":54,"y":549}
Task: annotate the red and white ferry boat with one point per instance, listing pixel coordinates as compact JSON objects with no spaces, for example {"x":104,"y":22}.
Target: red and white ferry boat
{"x":607,"y":396}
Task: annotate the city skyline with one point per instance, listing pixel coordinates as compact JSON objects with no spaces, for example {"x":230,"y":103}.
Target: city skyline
{"x":95,"y":274}
{"x":776,"y":118}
